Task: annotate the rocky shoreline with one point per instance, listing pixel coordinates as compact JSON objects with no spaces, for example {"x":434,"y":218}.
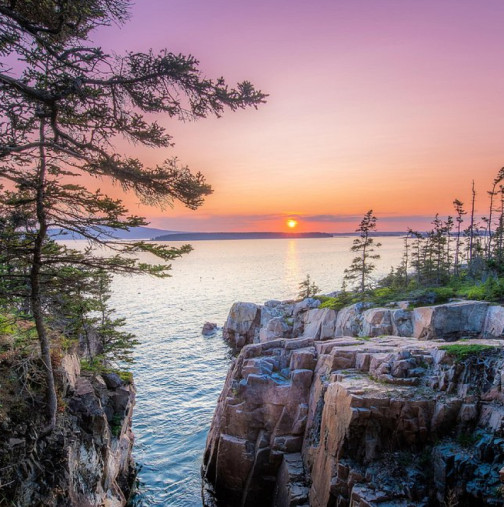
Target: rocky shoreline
{"x":360,"y":407}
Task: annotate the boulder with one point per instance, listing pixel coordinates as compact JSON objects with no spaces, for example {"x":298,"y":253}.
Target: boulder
{"x":242,"y":324}
{"x":209,"y":328}
{"x":112,"y":380}
{"x":276,"y":327}
{"x":305,"y":305}
{"x":494,"y":323}
{"x":320,"y":323}
{"x":452,"y":321}
{"x":376,"y":322}
{"x":349,"y":320}
{"x":402,"y":322}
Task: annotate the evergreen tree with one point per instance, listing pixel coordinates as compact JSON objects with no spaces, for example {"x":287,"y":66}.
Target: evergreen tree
{"x":492,"y":193}
{"x":470,"y":231}
{"x":361,"y":268}
{"x":63,"y":108}
{"x":307,"y":288}
{"x":438,"y":241}
{"x":416,"y":256}
{"x":498,"y":252}
{"x":459,"y":208}
{"x":448,"y":228}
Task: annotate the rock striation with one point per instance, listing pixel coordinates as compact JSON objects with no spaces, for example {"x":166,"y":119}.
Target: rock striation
{"x":361,"y":407}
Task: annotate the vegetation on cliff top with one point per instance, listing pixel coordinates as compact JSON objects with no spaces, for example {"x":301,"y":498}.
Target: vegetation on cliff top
{"x":443,"y":263}
{"x":461,"y":351}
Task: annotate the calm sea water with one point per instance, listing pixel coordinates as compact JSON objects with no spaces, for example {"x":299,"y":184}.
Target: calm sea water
{"x":178,"y":372}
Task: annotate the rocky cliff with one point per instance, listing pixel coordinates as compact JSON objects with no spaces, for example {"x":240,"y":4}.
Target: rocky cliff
{"x":86,"y":460}
{"x":360,"y":407}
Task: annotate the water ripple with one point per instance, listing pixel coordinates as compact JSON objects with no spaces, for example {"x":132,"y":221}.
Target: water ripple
{"x":178,"y":372}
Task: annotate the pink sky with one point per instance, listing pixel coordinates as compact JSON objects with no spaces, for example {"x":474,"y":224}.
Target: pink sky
{"x":382,"y":104}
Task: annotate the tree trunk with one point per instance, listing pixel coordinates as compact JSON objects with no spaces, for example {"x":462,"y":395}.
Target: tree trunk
{"x":457,"y":247}
{"x":363,"y":274}
{"x":471,"y":229}
{"x":35,"y":297}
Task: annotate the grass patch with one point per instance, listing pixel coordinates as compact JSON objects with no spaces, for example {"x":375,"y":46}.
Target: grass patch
{"x":7,"y":326}
{"x":462,"y":351}
{"x":97,"y":367}
{"x":116,"y":425}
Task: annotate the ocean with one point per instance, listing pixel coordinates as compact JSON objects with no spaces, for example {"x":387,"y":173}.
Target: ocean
{"x":178,"y":372}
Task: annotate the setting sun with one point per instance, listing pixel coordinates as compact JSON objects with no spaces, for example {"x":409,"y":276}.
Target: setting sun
{"x":291,"y":223}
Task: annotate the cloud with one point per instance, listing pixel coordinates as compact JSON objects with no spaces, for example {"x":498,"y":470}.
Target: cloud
{"x":329,"y":218}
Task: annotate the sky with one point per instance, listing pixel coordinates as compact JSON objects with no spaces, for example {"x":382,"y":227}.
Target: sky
{"x":390,"y":105}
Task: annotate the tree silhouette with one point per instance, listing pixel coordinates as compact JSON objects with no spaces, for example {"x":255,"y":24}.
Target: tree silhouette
{"x":63,"y":107}
{"x":361,"y":268}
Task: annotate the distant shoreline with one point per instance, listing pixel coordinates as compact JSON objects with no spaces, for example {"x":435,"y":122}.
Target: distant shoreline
{"x":202,"y":236}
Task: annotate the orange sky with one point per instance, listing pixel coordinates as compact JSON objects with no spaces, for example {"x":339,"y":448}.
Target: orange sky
{"x":392,"y":105}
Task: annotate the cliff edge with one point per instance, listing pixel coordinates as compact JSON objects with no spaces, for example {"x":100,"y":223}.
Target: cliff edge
{"x":360,"y":407}
{"x":86,"y":460}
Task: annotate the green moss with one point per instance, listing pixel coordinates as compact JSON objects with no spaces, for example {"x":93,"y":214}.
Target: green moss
{"x":116,"y":425}
{"x":97,"y":367}
{"x":6,"y":325}
{"x":126,"y":376}
{"x":461,"y":351}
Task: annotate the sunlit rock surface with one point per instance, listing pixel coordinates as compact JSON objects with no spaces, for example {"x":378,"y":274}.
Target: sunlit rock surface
{"x":377,"y":420}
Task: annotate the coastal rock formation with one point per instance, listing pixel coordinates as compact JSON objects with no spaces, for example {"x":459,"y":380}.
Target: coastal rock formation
{"x":494,"y":322}
{"x":361,"y":421}
{"x":249,"y":323}
{"x":209,"y":328}
{"x":242,"y":325}
{"x":86,"y":460}
{"x":463,"y":319}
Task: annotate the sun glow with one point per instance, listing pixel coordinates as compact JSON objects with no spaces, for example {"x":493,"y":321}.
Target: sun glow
{"x":291,"y":223}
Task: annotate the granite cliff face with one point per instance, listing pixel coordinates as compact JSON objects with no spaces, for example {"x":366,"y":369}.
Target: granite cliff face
{"x":86,"y":460}
{"x":361,"y":407}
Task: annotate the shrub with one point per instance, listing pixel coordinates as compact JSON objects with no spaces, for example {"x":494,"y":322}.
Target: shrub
{"x":443,"y":294}
{"x":6,"y":325}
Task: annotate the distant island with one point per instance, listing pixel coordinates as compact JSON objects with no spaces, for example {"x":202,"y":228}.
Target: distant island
{"x":132,"y":233}
{"x":149,"y":233}
{"x":199,"y":236}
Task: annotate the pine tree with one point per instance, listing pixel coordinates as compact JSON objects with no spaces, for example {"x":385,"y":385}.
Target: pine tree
{"x":63,"y":108}
{"x":492,"y":193}
{"x":361,"y":268}
{"x":459,"y":208}
{"x":307,"y":288}
{"x":470,"y":231}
